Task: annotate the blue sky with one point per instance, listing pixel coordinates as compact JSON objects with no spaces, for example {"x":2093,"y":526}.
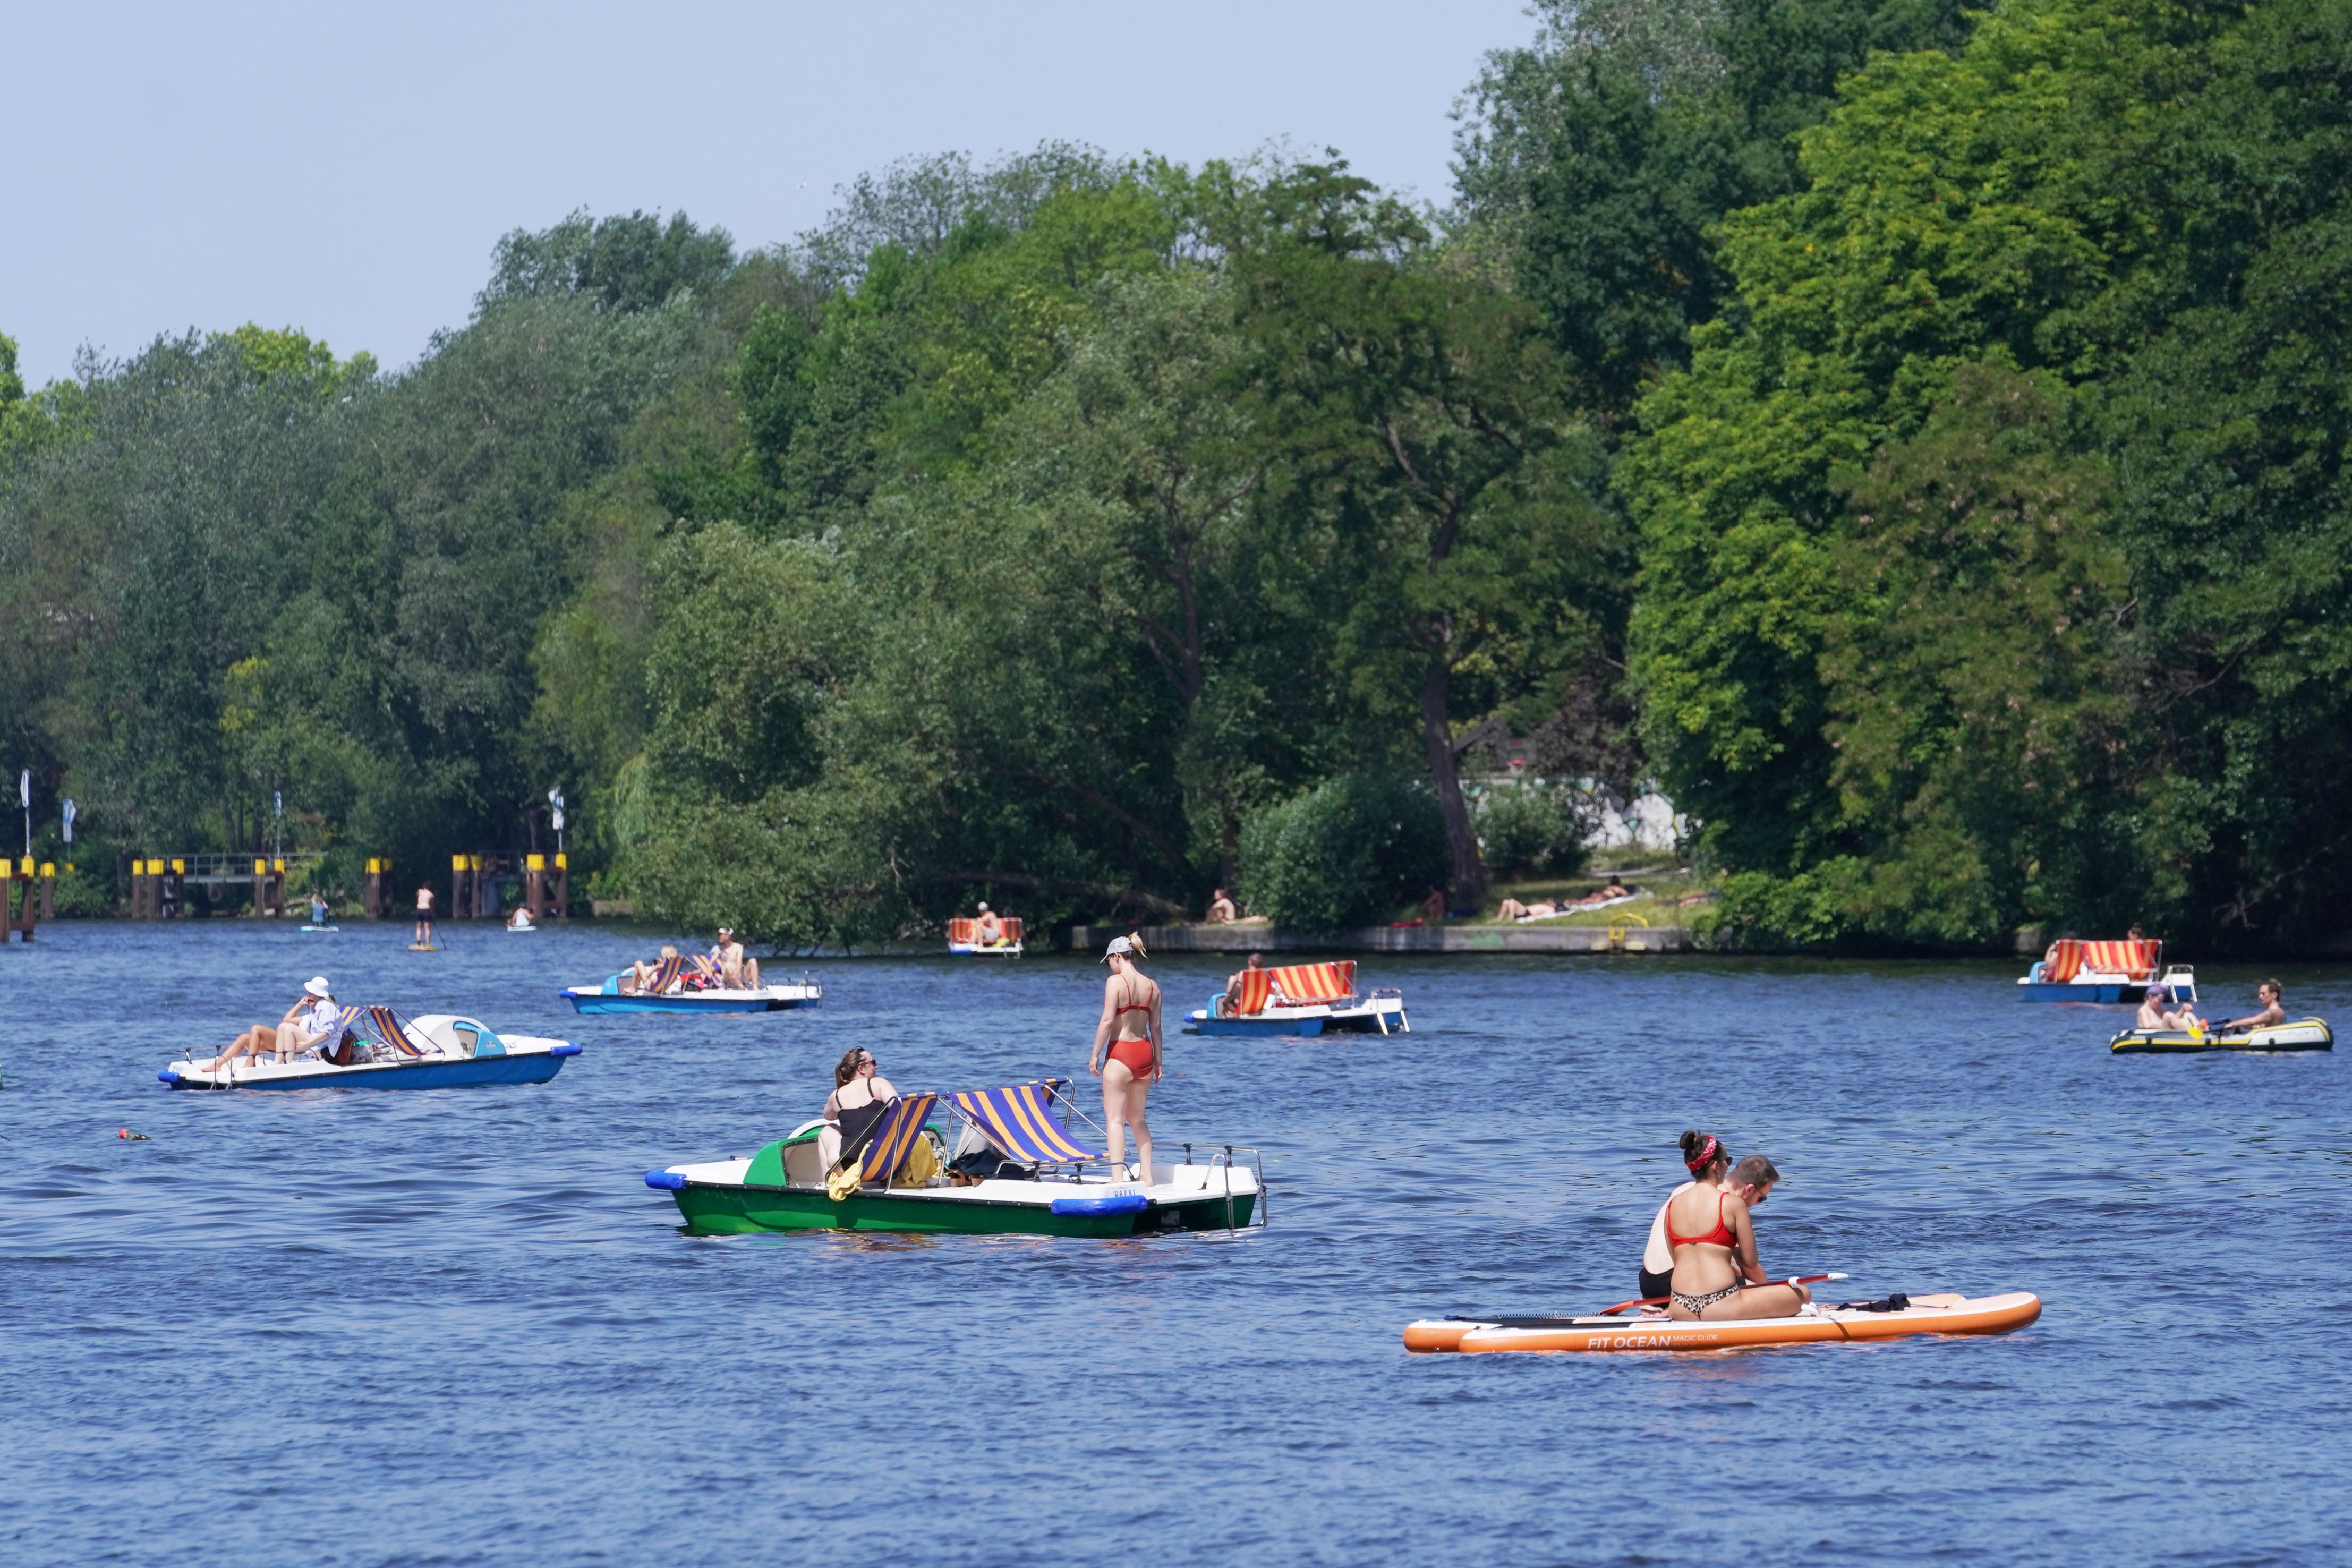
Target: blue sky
{"x":347,"y":170}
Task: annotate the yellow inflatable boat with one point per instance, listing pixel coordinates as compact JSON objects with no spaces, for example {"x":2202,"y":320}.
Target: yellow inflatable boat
{"x":2302,"y":1034}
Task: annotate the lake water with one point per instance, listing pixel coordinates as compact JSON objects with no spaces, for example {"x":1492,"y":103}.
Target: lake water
{"x":455,"y":1327}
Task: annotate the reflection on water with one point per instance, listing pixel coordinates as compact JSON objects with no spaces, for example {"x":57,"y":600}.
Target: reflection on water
{"x":331,"y":1327}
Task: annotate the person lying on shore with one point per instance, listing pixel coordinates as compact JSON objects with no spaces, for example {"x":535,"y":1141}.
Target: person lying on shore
{"x":304,"y":1025}
{"x":2268,"y":994}
{"x":1614,"y":890}
{"x":1718,"y":1274}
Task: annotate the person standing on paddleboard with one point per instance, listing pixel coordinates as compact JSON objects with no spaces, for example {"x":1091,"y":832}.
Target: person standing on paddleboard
{"x":1718,"y":1274}
{"x":1658,"y":1258}
{"x":423,"y":916}
{"x":1127,"y":1051}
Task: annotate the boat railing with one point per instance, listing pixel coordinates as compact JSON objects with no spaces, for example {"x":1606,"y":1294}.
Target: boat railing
{"x":1227,"y":1157}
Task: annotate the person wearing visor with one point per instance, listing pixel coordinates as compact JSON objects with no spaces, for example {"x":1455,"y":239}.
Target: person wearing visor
{"x":1127,"y":1054}
{"x":736,"y":972}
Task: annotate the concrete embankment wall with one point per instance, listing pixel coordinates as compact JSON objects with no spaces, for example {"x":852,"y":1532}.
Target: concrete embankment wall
{"x":1393,"y":939}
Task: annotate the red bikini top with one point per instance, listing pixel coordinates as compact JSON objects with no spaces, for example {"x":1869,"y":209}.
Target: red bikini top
{"x":1719,"y":1237}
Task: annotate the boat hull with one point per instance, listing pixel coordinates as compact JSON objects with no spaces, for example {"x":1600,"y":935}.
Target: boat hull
{"x":1983,"y":1315}
{"x":2038,"y":990}
{"x":2307,"y":1035}
{"x":718,"y":1210}
{"x":590,"y":1002}
{"x":1384,"y":1018}
{"x":538,"y":1067}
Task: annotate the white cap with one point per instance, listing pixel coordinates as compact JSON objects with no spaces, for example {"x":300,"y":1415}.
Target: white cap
{"x":1120,"y":947}
{"x":983,"y":909}
{"x":317,"y":985}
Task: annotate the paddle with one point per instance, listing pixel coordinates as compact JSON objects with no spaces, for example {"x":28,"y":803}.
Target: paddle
{"x":1653,"y":1300}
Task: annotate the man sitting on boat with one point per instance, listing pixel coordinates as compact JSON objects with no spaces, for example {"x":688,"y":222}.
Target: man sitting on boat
{"x":305,"y":1024}
{"x":2272,"y":1016}
{"x":988,"y":929}
{"x":2155,"y":1015}
{"x":1231,"y":1001}
{"x":736,"y":973}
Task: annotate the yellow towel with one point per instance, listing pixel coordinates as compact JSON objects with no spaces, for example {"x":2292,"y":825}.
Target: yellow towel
{"x":844,"y":1182}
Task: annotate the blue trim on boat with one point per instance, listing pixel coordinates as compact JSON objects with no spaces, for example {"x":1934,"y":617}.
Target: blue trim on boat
{"x":665,"y":1181}
{"x":1304,"y":1027}
{"x":535,"y":1067}
{"x":167,"y":1076}
{"x":603,"y":1001}
{"x":1126,"y":1203}
{"x":566,"y":1049}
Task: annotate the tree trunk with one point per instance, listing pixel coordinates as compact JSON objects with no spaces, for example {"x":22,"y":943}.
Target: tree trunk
{"x":1469,"y":890}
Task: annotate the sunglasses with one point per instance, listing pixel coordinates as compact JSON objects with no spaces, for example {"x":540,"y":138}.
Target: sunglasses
{"x":867,"y":1062}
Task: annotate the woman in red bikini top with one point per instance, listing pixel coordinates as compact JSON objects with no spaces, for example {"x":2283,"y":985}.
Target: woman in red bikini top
{"x":1129,"y":1033}
{"x":1718,"y":1274}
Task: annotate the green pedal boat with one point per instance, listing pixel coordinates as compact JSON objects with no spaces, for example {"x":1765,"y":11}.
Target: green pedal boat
{"x":1016,"y":1170}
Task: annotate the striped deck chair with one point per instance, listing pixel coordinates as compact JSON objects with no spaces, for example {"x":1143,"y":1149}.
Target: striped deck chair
{"x":886,"y":1145}
{"x":665,"y":977}
{"x":2135,"y":960}
{"x":1020,"y":1122}
{"x":1257,"y":989}
{"x":1317,"y":982}
{"x":706,"y":972}
{"x":1012,"y":929}
{"x":961,"y":930}
{"x":2063,"y":964}
{"x":383,"y":1024}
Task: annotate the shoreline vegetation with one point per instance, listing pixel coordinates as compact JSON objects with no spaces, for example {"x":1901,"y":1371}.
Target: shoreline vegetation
{"x":1908,"y":438}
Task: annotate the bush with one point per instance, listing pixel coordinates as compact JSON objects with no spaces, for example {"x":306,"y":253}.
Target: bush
{"x":1342,"y":854}
{"x":1530,"y":830}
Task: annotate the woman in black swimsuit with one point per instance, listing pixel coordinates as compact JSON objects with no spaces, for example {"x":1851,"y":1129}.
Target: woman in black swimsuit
{"x":860,"y":1095}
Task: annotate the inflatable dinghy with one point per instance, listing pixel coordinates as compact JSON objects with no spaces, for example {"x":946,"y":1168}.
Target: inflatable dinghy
{"x":1924,"y":1315}
{"x":2302,"y":1034}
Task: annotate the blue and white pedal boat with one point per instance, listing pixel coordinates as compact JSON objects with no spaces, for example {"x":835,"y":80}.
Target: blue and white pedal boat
{"x":610,"y":998}
{"x":438,"y":1050}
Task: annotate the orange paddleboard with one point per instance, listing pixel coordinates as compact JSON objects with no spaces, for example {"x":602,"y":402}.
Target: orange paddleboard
{"x":1926,"y":1315}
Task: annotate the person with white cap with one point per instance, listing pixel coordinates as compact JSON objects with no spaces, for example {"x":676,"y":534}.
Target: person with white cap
{"x":305,"y":1024}
{"x":1126,"y":1055}
{"x":736,"y":972}
{"x":987,"y":929}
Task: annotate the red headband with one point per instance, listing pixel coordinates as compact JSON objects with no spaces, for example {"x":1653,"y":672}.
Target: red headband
{"x":1706,"y":1156}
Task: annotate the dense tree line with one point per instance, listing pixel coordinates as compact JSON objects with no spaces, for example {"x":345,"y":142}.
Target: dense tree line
{"x":1910,"y":436}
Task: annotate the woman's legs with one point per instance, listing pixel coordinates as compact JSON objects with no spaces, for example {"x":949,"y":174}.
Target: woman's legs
{"x":1759,"y":1301}
{"x":1123,"y":1102}
{"x":1123,"y":1098}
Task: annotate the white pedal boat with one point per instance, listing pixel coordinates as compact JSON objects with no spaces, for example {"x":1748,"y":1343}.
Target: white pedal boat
{"x":438,"y":1050}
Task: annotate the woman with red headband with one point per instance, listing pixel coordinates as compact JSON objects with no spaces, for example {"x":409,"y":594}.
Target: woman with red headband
{"x":1718,"y":1274}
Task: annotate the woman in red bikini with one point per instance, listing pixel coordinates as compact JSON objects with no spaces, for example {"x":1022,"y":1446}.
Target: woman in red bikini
{"x":1717,"y":1272}
{"x":1129,"y":1032}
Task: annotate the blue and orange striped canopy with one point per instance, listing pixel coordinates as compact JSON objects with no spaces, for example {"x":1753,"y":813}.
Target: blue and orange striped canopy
{"x":886,"y":1149}
{"x":1017,"y":1120}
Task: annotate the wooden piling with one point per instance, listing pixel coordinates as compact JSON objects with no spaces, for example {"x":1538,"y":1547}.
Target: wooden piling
{"x":50,"y":889}
{"x":534,"y":887}
{"x":562,"y":887}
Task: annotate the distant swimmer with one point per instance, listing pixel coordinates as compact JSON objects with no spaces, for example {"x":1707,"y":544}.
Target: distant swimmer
{"x":2268,"y":994}
{"x":1717,"y":1272}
